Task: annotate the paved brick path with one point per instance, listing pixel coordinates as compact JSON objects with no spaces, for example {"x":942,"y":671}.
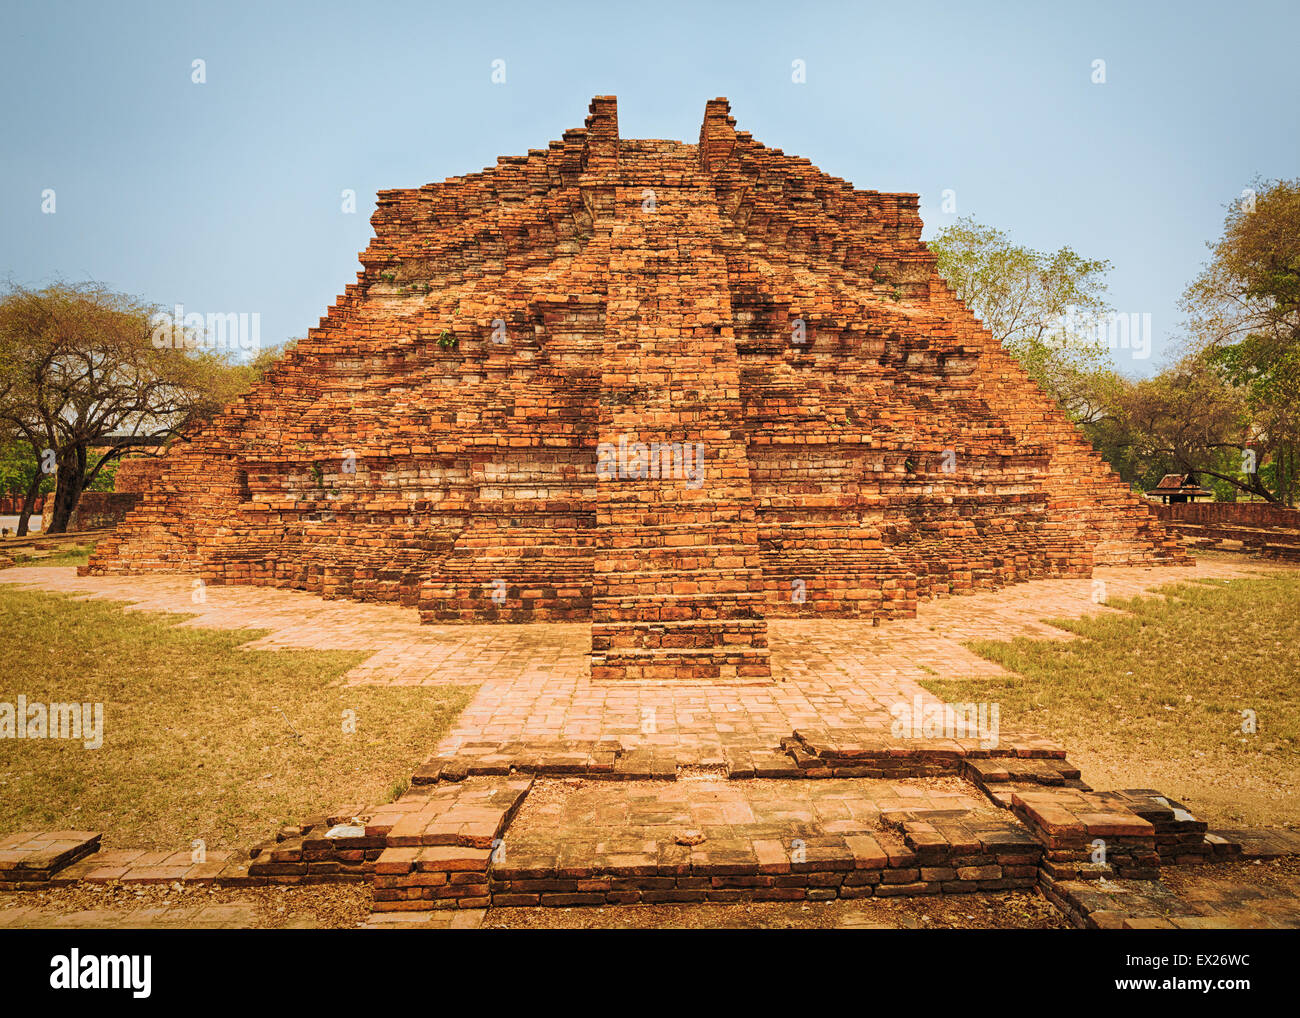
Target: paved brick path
{"x":404,"y":652}
{"x":536,"y":687}
{"x":536,"y":692}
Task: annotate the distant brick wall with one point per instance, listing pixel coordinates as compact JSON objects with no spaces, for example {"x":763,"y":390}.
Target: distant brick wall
{"x":95,"y":509}
{"x":1250,"y":527}
{"x":138,"y":474}
{"x":12,"y":505}
{"x":1241,"y":514}
{"x":102,"y":509}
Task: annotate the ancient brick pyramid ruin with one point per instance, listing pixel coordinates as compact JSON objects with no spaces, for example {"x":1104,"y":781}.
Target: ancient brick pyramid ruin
{"x":671,"y":389}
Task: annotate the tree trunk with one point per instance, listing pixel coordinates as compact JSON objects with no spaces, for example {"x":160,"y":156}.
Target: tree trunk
{"x":29,"y":501}
{"x":68,"y":481}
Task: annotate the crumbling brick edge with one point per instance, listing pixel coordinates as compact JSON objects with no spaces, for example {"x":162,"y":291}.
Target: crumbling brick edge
{"x":1059,"y":837}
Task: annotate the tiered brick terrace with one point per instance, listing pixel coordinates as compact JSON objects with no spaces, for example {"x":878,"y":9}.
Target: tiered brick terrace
{"x":701,"y":417}
{"x":806,"y":421}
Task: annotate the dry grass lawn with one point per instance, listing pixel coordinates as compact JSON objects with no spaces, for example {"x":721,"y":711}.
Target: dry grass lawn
{"x":1153,"y":695}
{"x":201,"y":739}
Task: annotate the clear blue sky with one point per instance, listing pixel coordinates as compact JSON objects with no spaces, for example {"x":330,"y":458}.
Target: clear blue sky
{"x":225,"y":196}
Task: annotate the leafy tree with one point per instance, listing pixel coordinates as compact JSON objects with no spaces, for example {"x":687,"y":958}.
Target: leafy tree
{"x":21,"y":474}
{"x":1244,"y":318}
{"x":266,"y":359}
{"x":1186,"y":419}
{"x":1026,"y":299}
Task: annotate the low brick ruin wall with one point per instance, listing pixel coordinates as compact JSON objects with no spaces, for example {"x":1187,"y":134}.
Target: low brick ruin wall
{"x":102,"y":509}
{"x":95,"y":510}
{"x":12,"y":505}
{"x":1241,"y":514}
{"x":98,"y":509}
{"x":468,"y":843}
{"x":1254,"y":527}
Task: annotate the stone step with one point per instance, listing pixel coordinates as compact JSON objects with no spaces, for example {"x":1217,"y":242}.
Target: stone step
{"x":32,"y":858}
{"x":1255,"y":843}
{"x":721,"y":663}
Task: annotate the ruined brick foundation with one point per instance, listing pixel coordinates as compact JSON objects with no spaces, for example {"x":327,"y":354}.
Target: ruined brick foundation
{"x":864,"y":441}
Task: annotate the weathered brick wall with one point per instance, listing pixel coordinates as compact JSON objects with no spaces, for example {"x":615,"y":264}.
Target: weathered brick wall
{"x":137,"y":473}
{"x":13,"y":504}
{"x":1251,"y":527}
{"x":435,"y":440}
{"x":1245,"y":514}
{"x":96,"y":509}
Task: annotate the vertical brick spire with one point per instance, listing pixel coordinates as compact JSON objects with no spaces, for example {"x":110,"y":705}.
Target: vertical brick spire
{"x":602,"y":133}
{"x":717,"y":135}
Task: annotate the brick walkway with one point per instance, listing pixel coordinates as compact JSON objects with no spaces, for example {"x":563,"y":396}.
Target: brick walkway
{"x":576,"y":842}
{"x":536,"y":688}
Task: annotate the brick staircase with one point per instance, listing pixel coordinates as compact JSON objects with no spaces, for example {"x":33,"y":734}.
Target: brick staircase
{"x":678,"y":589}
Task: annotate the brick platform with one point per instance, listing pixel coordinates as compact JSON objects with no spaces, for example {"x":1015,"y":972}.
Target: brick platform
{"x":701,"y":840}
{"x":508,"y":841}
{"x":709,"y":805}
{"x":836,"y":434}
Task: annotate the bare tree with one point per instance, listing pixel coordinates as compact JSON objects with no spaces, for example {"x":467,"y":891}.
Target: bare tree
{"x":82,"y":381}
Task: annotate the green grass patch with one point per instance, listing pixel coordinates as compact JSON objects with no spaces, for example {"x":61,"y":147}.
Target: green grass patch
{"x":202,"y":740}
{"x":1160,"y":689}
{"x":68,"y":555}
